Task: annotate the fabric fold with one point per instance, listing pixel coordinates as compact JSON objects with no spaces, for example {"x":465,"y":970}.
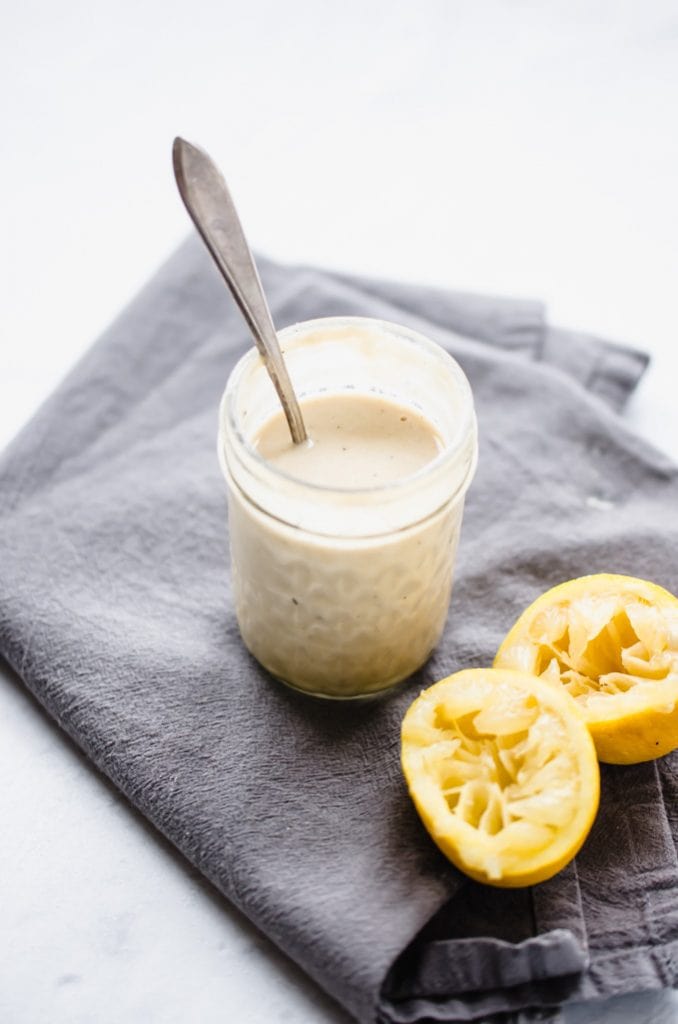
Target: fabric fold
{"x":456,"y":966}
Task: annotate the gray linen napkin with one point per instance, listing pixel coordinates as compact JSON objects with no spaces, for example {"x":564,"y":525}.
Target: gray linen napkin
{"x":115,"y":609}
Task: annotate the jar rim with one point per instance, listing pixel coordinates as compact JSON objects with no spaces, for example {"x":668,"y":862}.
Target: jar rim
{"x":229,"y":425}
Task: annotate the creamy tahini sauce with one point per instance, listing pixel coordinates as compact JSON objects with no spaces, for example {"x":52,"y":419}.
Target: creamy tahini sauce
{"x":356,"y":440}
{"x":334,"y":615}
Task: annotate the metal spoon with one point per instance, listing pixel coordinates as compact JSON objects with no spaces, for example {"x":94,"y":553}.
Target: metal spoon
{"x":211,"y":209}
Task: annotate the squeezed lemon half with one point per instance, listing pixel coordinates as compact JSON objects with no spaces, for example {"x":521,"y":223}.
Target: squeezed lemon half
{"x":612,"y":643}
{"x":503,"y":773}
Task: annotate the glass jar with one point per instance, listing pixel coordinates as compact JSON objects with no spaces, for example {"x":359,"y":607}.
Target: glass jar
{"x":344,"y":592}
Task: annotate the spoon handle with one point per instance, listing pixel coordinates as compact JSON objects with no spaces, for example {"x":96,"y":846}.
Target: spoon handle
{"x":213,"y":212}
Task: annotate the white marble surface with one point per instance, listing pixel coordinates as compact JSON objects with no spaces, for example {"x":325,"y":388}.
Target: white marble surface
{"x":518,"y":147}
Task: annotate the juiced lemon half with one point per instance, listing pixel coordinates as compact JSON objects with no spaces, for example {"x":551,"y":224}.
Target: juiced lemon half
{"x":503,"y":773}
{"x":612,"y":643}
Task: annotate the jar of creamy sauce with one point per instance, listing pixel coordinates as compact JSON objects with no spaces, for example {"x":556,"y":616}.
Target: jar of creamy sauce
{"x":343,"y":548}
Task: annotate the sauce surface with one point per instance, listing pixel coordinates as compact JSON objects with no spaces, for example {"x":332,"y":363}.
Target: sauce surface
{"x":356,"y":440}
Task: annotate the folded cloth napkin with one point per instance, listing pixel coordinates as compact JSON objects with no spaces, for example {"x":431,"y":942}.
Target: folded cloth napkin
{"x":115,"y":608}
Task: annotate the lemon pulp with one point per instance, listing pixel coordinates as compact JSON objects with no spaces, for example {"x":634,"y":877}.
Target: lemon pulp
{"x":612,"y":643}
{"x":503,"y":773}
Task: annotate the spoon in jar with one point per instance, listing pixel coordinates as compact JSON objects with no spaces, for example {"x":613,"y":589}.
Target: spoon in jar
{"x":213,"y":212}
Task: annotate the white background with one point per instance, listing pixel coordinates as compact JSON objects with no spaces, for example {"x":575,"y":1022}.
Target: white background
{"x":523,"y":148}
